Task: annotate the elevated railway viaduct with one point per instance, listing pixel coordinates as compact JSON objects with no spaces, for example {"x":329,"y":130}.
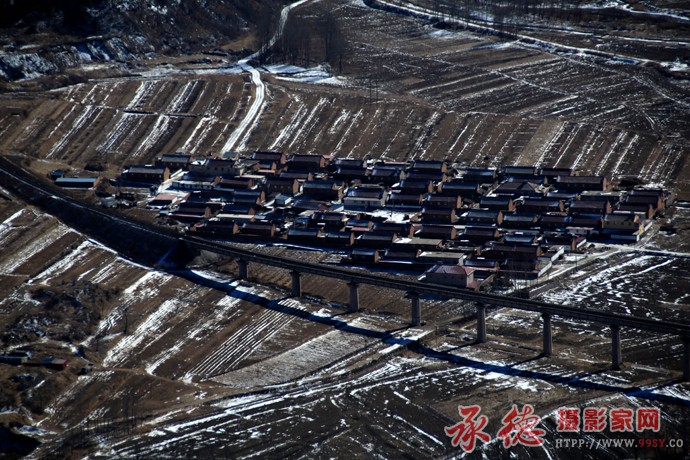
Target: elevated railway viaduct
{"x":41,"y":192}
{"x":482,"y":300}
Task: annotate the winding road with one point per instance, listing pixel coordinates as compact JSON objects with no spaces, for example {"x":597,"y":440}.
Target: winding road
{"x":245,"y":127}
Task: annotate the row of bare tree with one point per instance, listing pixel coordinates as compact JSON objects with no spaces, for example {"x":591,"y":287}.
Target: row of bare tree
{"x":509,"y":16}
{"x":306,"y":40}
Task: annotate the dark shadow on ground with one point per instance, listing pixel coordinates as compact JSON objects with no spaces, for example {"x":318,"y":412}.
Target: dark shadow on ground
{"x":387,"y":337}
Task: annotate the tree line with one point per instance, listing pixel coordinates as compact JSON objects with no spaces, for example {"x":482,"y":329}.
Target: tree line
{"x":306,"y":40}
{"x":509,"y":16}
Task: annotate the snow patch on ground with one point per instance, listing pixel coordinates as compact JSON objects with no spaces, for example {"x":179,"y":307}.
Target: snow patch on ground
{"x":318,"y":75}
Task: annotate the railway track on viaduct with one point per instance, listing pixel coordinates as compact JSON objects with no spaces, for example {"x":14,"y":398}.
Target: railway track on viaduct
{"x":37,"y":190}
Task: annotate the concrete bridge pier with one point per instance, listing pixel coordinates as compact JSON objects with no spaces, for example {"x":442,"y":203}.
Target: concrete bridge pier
{"x":481,"y":323}
{"x":354,"y":296}
{"x":616,"y":354}
{"x":416,"y":309}
{"x":243,"y":269}
{"x":686,"y":359}
{"x":296,"y":283}
{"x":548,"y":340}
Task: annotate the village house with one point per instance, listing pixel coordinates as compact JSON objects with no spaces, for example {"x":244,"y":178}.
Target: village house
{"x":78,"y":182}
{"x":364,"y":256}
{"x":247,"y":209}
{"x":252,"y":197}
{"x":146,"y":174}
{"x":623,"y":226}
{"x":497,"y":203}
{"x":450,"y":275}
{"x":554,"y":221}
{"x":501,"y":251}
{"x":480,"y":176}
{"x":430,"y":166}
{"x":566,"y":197}
{"x":281,"y":185}
{"x":387,"y":173}
{"x":307,"y":162}
{"x":470,"y":192}
{"x":334,"y":221}
{"x":301,"y":176}
{"x":375,"y":240}
{"x":443,"y":232}
{"x":541,"y":205}
{"x":190,"y":212}
{"x":479,"y":235}
{"x":260,"y":229}
{"x":342,"y":239}
{"x":522,"y":173}
{"x":400,"y":230}
{"x":217,"y":167}
{"x":570,"y":242}
{"x":403,"y":200}
{"x":581,"y":183}
{"x":587,"y":225}
{"x":351,"y":173}
{"x":488,"y":217}
{"x":483,"y":268}
{"x":365,"y":198}
{"x":409,"y":187}
{"x":324,"y":190}
{"x":304,"y":236}
{"x":278,"y":158}
{"x":239,"y":182}
{"x":525,"y":268}
{"x":174,"y":161}
{"x":305,"y":203}
{"x":166,"y":201}
{"x":345,"y":163}
{"x":523,"y":239}
{"x":519,"y":189}
{"x":434,"y":177}
{"x":268,"y":168}
{"x":359,"y":225}
{"x":440,"y":257}
{"x":443,"y":202}
{"x":195,"y":181}
{"x":614,"y":197}
{"x":431,"y":215}
{"x":407,"y":256}
{"x":590,"y":207}
{"x":420,"y":244}
{"x":645,"y":210}
{"x":550,"y":174}
{"x":216,"y":228}
{"x":656,"y":198}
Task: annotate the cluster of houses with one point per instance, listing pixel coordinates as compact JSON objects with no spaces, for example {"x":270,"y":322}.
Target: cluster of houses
{"x":462,"y":227}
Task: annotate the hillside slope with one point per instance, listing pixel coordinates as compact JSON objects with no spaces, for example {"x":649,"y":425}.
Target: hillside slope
{"x":44,"y":37}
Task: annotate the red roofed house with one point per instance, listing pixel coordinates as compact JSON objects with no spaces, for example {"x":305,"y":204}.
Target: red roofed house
{"x":452,"y":275}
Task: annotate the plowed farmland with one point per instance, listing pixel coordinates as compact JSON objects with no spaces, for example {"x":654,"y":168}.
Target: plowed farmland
{"x":193,"y":362}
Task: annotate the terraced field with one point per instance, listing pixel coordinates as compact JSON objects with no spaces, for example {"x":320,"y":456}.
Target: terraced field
{"x":198,"y":363}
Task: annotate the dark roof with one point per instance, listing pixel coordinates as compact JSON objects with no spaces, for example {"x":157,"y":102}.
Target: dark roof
{"x":519,"y":217}
{"x":520,"y":170}
{"x":482,"y":214}
{"x":555,"y":172}
{"x":580,"y":180}
{"x":365,"y":193}
{"x":349,"y":163}
{"x":303,"y":232}
{"x":76,"y":180}
{"x":323,"y":184}
{"x":429,"y":165}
